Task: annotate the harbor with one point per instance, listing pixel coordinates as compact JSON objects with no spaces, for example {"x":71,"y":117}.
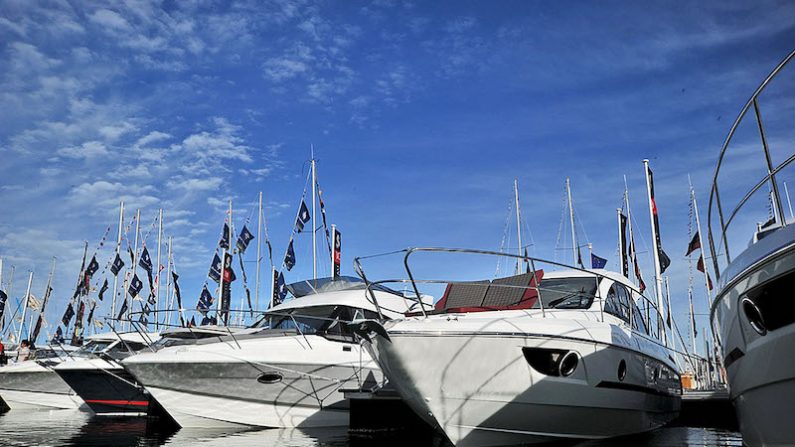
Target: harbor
{"x":301,"y":223}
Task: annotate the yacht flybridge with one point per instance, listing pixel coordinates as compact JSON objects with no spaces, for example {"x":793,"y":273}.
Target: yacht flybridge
{"x":286,"y":370}
{"x":547,"y":354}
{"x":753,"y":312}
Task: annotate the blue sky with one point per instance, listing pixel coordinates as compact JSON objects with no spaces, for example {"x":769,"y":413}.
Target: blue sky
{"x":421,"y":115}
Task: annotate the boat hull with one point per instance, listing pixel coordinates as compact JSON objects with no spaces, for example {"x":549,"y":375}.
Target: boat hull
{"x":29,"y":385}
{"x":277,"y":382}
{"x":105,"y":387}
{"x":760,"y":367}
{"x":480,"y":389}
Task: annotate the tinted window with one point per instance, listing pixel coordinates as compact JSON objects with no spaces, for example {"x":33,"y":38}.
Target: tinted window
{"x":567,"y":293}
{"x":617,"y":302}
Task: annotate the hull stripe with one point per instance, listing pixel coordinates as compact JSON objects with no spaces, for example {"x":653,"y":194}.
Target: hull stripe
{"x":137,"y":403}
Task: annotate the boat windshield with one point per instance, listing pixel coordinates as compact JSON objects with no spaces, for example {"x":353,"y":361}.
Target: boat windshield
{"x":322,"y":285}
{"x":93,"y":347}
{"x":567,"y":293}
{"x":328,"y":321}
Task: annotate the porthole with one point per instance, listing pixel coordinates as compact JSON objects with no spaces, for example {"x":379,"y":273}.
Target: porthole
{"x":568,"y":364}
{"x":622,"y":370}
{"x":754,"y":316}
{"x":269,"y":377}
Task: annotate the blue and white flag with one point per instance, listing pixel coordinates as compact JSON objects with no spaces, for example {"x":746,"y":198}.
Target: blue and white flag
{"x":244,"y":239}
{"x":597,"y":262}
{"x":205,"y":300}
{"x":303,"y":217}
{"x":289,"y":258}
{"x":279,"y":288}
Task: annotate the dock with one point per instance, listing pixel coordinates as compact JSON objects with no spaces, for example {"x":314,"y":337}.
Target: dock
{"x":708,"y":408}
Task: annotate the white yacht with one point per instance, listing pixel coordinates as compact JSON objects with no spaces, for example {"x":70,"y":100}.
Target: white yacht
{"x":285,"y":371}
{"x":753,"y":311}
{"x":96,"y":376}
{"x":536,"y":357}
{"x":31,"y":384}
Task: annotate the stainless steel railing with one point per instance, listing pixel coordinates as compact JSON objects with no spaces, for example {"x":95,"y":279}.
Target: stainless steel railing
{"x":714,"y":196}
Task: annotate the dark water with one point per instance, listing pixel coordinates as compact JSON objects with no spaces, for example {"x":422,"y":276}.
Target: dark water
{"x":74,"y":428}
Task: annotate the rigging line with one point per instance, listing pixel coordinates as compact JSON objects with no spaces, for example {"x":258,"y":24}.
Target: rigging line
{"x":297,"y":213}
{"x":505,"y":230}
{"x":561,"y":224}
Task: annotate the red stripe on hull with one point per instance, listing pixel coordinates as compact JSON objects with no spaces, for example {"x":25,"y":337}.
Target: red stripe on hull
{"x":137,"y":403}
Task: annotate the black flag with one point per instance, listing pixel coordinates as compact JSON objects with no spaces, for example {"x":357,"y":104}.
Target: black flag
{"x":279,"y":288}
{"x":289,"y":257}
{"x":224,"y":241}
{"x":135,"y":286}
{"x":215,"y":269}
{"x":91,"y":313}
{"x":244,"y":239}
{"x":92,"y":268}
{"x":665,"y":261}
{"x":229,"y":274}
{"x":3,"y":299}
{"x":694,"y":244}
{"x":103,"y":289}
{"x":123,"y":309}
{"x":205,"y":300}
{"x":117,"y":265}
{"x":303,"y":217}
{"x":145,"y":262}
{"x":337,"y":252}
{"x":179,"y":296}
{"x":68,"y":314}
{"x":58,"y":337}
{"x":623,"y":249}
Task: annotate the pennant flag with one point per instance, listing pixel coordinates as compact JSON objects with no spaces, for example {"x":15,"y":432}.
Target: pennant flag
{"x":205,"y":300}
{"x":597,"y":262}
{"x":135,"y":287}
{"x":694,"y":244}
{"x":700,"y":268}
{"x":91,"y":313}
{"x":289,"y":258}
{"x":145,"y":262}
{"x":579,"y":258}
{"x":122,"y":310}
{"x":337,"y":258}
{"x":68,"y":314}
{"x":58,"y":337}
{"x":270,"y":249}
{"x":118,"y":264}
{"x":103,"y":289}
{"x":244,"y":239}
{"x":224,"y":241}
{"x":132,"y":255}
{"x":665,"y":261}
{"x":3,"y":299}
{"x":192,"y":322}
{"x":622,"y":242}
{"x":93,"y":266}
{"x":178,"y":295}
{"x":323,"y":212}
{"x":37,"y":328}
{"x":279,"y":288}
{"x":215,"y":269}
{"x":303,"y":217}
{"x":670,"y":310}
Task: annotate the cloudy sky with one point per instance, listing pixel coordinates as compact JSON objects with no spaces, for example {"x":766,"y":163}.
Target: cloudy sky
{"x":421,"y":116}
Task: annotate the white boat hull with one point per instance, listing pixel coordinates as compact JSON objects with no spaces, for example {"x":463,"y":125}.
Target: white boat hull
{"x":28,"y":385}
{"x":32,"y":400}
{"x":221,"y":384}
{"x":760,"y":368}
{"x":480,"y":390}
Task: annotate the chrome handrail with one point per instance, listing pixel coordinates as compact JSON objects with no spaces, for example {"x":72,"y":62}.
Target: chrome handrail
{"x":714,"y":196}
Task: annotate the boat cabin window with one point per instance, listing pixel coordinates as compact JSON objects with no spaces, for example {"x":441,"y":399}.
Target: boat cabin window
{"x":326,"y":321}
{"x":618,"y":302}
{"x":567,"y":293}
{"x":638,"y":323}
{"x":93,"y":347}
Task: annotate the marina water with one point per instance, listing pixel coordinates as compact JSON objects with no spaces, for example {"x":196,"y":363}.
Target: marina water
{"x":75,"y":428}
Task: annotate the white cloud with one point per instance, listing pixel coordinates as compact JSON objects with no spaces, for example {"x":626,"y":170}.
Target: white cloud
{"x":90,"y":149}
{"x":197,"y":184}
{"x":110,"y":20}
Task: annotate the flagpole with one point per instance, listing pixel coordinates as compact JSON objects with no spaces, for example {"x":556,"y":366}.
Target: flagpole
{"x":135,"y":261}
{"x":621,"y":249}
{"x":259,"y":250}
{"x":157,"y":277}
{"x":571,"y":218}
{"x":692,"y":318}
{"x":670,"y":313}
{"x":314,"y":199}
{"x":8,"y":293}
{"x":273,"y":286}
{"x":24,"y":309}
{"x":2,"y":317}
{"x":657,"y":273}
{"x":168,"y":283}
{"x":518,"y":225}
{"x":118,"y":248}
{"x":47,"y":289}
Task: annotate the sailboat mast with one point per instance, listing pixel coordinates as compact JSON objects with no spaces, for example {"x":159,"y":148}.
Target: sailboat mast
{"x":518,"y":225}
{"x":571,"y":219}
{"x":314,"y":226}
{"x":8,"y":292}
{"x":157,"y":267}
{"x":118,"y":249}
{"x":701,"y":243}
{"x":24,"y":308}
{"x":135,"y":259}
{"x":2,"y":317}
{"x":657,"y":273}
{"x":168,"y":308}
{"x":259,"y":250}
